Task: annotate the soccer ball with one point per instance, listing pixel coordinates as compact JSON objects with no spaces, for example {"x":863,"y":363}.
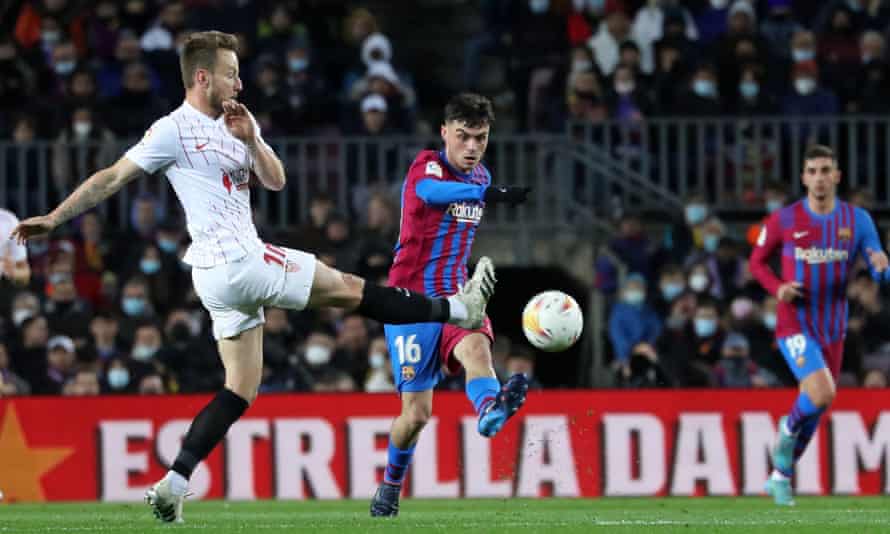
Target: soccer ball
{"x":552,"y":321}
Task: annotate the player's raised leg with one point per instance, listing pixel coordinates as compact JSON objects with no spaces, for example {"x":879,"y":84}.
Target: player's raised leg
{"x":242,"y":357}
{"x":417,"y":408}
{"x":493,"y":403}
{"x":394,"y":305}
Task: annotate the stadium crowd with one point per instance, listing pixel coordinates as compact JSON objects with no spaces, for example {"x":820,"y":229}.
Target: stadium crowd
{"x":114,"y":311}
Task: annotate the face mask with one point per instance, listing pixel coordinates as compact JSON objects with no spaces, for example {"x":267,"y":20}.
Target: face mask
{"x":769,"y":320}
{"x":705,"y":327}
{"x":773,"y":205}
{"x":704,"y":88}
{"x":133,"y":306}
{"x":298,"y":64}
{"x":805,"y":86}
{"x":317,"y":355}
{"x":698,"y":282}
{"x":167,"y":245}
{"x":749,"y":90}
{"x":802,"y":54}
{"x":50,"y":37}
{"x":855,"y":5}
{"x":581,"y":65}
{"x":696,"y":213}
{"x":719,"y":4}
{"x":143,"y":352}
{"x":538,"y":6}
{"x":377,"y":360}
{"x":148,"y":266}
{"x":671,"y":290}
{"x":64,"y":68}
{"x":118,"y":378}
{"x":710,"y":242}
{"x":623,"y":88}
{"x":634,"y":297}
{"x":82,"y":129}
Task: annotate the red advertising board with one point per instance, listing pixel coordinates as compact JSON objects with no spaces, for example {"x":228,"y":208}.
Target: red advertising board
{"x":564,"y":443}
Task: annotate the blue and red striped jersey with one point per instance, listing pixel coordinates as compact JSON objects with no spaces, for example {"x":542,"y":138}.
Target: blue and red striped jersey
{"x":441,"y":209}
{"x":817,"y":251}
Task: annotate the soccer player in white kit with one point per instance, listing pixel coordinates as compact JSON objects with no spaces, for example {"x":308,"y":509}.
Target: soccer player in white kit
{"x":209,"y":148}
{"x":13,"y":255}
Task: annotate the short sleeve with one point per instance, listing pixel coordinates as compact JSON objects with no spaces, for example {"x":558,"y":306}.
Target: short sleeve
{"x":158,"y":148}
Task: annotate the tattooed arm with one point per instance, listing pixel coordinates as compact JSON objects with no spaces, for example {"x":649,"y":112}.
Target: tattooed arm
{"x":93,"y":190}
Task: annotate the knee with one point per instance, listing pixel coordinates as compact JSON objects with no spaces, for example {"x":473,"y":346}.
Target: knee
{"x":824,"y":396}
{"x":417,"y":416}
{"x":474,"y":353}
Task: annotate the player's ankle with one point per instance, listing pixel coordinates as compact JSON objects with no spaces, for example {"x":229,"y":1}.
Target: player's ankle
{"x":179,"y":485}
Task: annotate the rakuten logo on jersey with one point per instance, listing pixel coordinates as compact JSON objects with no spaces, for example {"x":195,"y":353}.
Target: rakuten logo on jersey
{"x":464,"y":212}
{"x":815,"y":255}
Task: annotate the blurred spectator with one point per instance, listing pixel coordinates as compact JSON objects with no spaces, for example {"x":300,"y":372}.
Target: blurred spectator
{"x":671,"y":284}
{"x":351,"y":353}
{"x":377,"y":237}
{"x":46,"y":22}
{"x":132,"y":111}
{"x":736,"y":369}
{"x":104,"y":343}
{"x":872,"y":81}
{"x":305,"y":91}
{"x":66,"y":312}
{"x":670,"y":74}
{"x":334,"y":381}
{"x":585,"y":101}
{"x":875,"y":378}
{"x":189,"y":353}
{"x":127,"y":51}
{"x":712,"y":21}
{"x":522,"y":360}
{"x":60,"y":365}
{"x":702,"y":97}
{"x":339,"y":242}
{"x":492,"y":39}
{"x":143,"y":228}
{"x":152,"y":384}
{"x":160,"y":36}
{"x":649,"y":25}
{"x":17,"y":81}
{"x":379,"y":376}
{"x":611,"y":33}
{"x":157,"y":271}
{"x":753,"y":96}
{"x":118,"y":376}
{"x":278,"y":29}
{"x":135,"y":305}
{"x":84,"y":383}
{"x":278,"y":338}
{"x":10,"y":383}
{"x":760,"y":332}
{"x":630,"y":248}
{"x":317,"y":353}
{"x":644,"y":369}
{"x":775,"y":196}
{"x":84,"y":144}
{"x":29,"y":355}
{"x":103,"y":29}
{"x":381,"y":79}
{"x":778,"y":27}
{"x":627,"y":99}
{"x":632,"y":320}
{"x":807,"y":98}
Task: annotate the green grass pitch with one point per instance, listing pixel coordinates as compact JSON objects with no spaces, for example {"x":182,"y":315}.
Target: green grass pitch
{"x":821,"y":515}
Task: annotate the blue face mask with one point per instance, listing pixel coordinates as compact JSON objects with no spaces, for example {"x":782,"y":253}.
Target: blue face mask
{"x":773,"y":205}
{"x":769,"y":320}
{"x":704,"y":88}
{"x":149,"y":266}
{"x":749,"y":89}
{"x":696,"y":213}
{"x":167,"y":245}
{"x":64,"y":68}
{"x":802,"y":54}
{"x":634,"y":297}
{"x":143,"y":352}
{"x":298,"y":64}
{"x":671,"y":290}
{"x":538,"y":6}
{"x":133,"y":306}
{"x":118,"y":378}
{"x":704,"y":327}
{"x":711,"y":242}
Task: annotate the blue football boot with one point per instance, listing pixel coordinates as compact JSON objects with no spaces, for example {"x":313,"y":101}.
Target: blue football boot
{"x":509,"y":399}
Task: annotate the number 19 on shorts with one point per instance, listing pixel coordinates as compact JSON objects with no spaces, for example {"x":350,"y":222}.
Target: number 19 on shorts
{"x":408,"y":349}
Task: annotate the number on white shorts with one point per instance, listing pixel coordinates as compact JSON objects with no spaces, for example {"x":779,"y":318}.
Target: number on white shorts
{"x":409,"y":351}
{"x":796,"y":345}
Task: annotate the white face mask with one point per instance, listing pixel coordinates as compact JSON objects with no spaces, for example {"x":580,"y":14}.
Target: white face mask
{"x":719,"y":4}
{"x":805,"y":86}
{"x":581,"y":65}
{"x":377,"y":360}
{"x":143,"y":352}
{"x":698,"y":282}
{"x":317,"y":355}
{"x":82,"y":129}
{"x":624,"y":87}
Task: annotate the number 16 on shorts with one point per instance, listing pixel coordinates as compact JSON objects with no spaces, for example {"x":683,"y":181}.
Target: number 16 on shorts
{"x":414,"y":355}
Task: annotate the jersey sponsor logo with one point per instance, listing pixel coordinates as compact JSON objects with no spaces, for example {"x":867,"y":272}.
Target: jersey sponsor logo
{"x":466,"y":212}
{"x":798,"y":235}
{"x":433,"y":169}
{"x":238,"y":178}
{"x":845,"y":234}
{"x":814,"y":256}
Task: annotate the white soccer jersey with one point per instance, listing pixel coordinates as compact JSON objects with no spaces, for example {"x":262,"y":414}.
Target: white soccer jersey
{"x":9,"y":248}
{"x":209,"y":170}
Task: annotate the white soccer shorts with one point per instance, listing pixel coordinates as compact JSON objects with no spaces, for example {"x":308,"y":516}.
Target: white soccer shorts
{"x":235,"y":293}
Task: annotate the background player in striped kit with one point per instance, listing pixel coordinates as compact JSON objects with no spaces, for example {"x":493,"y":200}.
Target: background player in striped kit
{"x":209,"y":149}
{"x":820,"y":238}
{"x":443,"y":199}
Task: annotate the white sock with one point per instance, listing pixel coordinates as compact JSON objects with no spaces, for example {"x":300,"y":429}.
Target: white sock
{"x":777,"y":475}
{"x":179,"y":485}
{"x":458,"y":310}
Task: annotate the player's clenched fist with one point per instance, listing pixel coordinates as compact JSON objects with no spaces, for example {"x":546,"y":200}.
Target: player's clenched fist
{"x":877,"y":259}
{"x":789,"y":291}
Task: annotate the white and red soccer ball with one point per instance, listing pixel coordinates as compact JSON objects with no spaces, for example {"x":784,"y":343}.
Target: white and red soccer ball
{"x":552,"y":321}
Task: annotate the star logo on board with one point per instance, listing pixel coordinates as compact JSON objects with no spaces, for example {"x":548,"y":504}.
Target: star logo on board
{"x":23,"y":465}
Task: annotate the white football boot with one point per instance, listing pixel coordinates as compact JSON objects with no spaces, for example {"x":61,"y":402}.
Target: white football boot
{"x":164,"y":504}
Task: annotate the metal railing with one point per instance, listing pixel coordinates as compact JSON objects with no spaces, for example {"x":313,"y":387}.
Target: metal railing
{"x":730,"y":158}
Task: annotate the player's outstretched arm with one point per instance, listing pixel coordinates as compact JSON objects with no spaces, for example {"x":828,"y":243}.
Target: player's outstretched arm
{"x":440,"y":192}
{"x":92,"y":191}
{"x":266,"y":165}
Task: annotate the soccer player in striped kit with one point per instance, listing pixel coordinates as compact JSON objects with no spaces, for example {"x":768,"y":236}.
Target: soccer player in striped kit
{"x":443,"y":198}
{"x":819,"y":238}
{"x":211,"y":149}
